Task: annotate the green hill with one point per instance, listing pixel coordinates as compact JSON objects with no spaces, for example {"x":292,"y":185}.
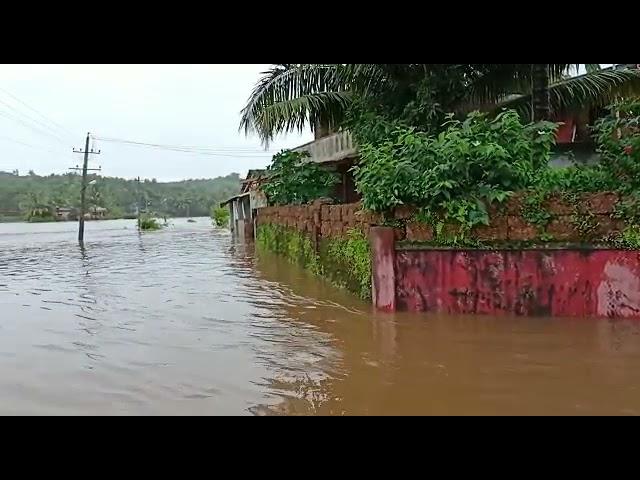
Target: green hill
{"x":20,"y":194}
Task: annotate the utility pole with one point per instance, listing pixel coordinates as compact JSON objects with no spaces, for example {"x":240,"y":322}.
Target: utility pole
{"x":83,"y":190}
{"x":138,"y":200}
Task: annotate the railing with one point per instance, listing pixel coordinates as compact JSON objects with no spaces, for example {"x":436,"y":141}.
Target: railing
{"x":333,"y":148}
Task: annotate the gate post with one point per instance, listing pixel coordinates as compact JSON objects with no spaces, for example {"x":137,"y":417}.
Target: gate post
{"x":383,"y":258}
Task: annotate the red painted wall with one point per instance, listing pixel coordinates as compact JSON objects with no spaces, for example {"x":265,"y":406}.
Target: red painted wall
{"x":604,"y":283}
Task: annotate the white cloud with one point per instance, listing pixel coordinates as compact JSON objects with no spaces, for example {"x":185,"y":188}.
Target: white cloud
{"x":167,"y":104}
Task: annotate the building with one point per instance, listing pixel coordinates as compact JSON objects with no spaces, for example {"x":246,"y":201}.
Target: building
{"x":339,"y":153}
{"x":97,"y":213}
{"x":242,"y":207}
{"x":64,"y":214}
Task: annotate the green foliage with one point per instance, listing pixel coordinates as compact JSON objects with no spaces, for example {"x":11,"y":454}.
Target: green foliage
{"x":533,"y":209}
{"x":290,"y":243}
{"x":583,"y":220}
{"x":346,"y":261}
{"x":546,"y":237}
{"x":629,"y":209}
{"x":458,"y":174}
{"x":220,"y":216}
{"x":618,"y":138}
{"x":294,"y":180}
{"x":630,"y":237}
{"x":290,"y":97}
{"x":353,"y":254}
{"x":147,"y":222}
{"x":41,"y":216}
{"x":577,"y":178}
{"x":176,"y":199}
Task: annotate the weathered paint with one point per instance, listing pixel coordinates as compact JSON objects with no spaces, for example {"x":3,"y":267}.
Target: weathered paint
{"x":574,"y":283}
{"x":382,"y":240}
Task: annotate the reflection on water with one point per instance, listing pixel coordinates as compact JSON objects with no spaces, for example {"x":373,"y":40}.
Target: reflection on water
{"x":184,"y":321}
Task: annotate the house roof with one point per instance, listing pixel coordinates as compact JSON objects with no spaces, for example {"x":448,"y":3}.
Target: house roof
{"x":242,"y":195}
{"x":255,"y":175}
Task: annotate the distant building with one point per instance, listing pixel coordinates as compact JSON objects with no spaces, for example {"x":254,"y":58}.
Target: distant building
{"x":242,"y":207}
{"x":64,"y":214}
{"x":96,"y":213}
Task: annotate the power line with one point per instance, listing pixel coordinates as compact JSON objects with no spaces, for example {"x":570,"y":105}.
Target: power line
{"x":31,"y":127}
{"x":36,"y":111}
{"x":38,"y":122}
{"x":30,"y":145}
{"x":215,"y":153}
{"x":197,"y":147}
{"x":207,"y":151}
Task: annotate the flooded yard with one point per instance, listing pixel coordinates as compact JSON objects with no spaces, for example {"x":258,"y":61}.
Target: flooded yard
{"x":185,"y":321}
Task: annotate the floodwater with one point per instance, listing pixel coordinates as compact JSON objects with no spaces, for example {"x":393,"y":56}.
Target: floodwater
{"x":184,"y":321}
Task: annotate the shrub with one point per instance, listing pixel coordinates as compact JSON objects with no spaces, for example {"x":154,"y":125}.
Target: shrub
{"x":294,"y":180}
{"x":147,"y":222}
{"x":459,"y":173}
{"x":220,"y":216}
{"x":618,"y":139}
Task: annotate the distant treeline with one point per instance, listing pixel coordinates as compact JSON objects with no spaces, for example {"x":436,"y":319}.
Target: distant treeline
{"x":20,"y":195}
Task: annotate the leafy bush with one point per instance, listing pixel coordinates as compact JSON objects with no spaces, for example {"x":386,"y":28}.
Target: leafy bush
{"x":618,"y":139}
{"x":41,"y":216}
{"x":293,"y":180}
{"x":458,"y":173}
{"x":220,"y":216}
{"x":148,"y":223}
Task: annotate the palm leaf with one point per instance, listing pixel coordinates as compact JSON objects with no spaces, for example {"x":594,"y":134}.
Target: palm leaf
{"x":313,"y":91}
{"x":293,"y":114}
{"x":493,"y":82}
{"x":596,"y":89}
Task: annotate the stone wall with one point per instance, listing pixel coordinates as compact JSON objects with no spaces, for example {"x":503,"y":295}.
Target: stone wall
{"x":320,"y":219}
{"x":507,"y":221}
{"x":555,"y":279}
{"x":316,"y":237}
{"x":509,"y":225}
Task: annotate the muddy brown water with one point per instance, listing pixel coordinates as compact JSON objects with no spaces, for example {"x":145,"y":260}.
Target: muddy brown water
{"x":186,"y":322}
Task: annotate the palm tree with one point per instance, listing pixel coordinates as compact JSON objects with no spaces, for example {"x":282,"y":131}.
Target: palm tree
{"x":596,"y":88}
{"x":292,"y":97}
{"x":540,"y":95}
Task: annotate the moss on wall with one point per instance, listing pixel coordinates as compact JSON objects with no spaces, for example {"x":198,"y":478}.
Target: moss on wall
{"x":345,"y":261}
{"x":292,"y":244}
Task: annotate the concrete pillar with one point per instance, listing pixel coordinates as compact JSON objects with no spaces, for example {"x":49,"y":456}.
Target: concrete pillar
{"x":247,"y":225}
{"x":383,"y":259}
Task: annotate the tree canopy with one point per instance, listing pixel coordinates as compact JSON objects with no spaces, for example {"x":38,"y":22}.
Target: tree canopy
{"x":19,"y":194}
{"x":291,"y":97}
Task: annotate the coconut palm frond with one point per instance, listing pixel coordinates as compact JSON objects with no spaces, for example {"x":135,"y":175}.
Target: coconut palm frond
{"x":314,"y":85}
{"x":492,"y":82}
{"x":296,"y":113}
{"x":585,"y":91}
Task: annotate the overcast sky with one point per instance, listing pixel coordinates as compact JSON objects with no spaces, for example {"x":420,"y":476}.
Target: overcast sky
{"x":163,"y":104}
